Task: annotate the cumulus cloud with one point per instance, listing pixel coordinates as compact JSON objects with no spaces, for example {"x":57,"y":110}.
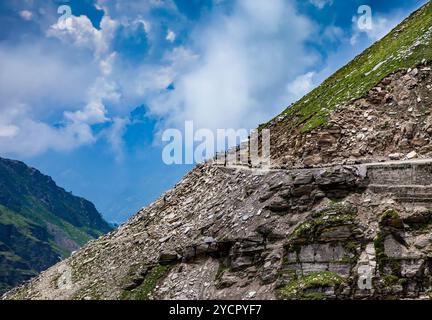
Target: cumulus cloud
{"x":148,"y":80}
{"x":80,"y":32}
{"x":106,"y":64}
{"x":245,"y":60}
{"x":94,"y":111}
{"x":237,"y":69}
{"x":26,"y":136}
{"x":36,"y":83}
{"x":34,"y":74}
{"x":301,"y":85}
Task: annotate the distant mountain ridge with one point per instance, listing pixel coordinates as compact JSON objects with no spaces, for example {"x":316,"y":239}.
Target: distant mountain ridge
{"x":40,"y":223}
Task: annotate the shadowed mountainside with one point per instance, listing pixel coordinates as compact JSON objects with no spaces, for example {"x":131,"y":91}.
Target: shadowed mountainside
{"x":40,"y":223}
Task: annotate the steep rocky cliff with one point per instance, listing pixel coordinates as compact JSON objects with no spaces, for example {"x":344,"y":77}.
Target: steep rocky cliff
{"x":40,"y":223}
{"x":344,"y":213}
{"x":376,"y":105}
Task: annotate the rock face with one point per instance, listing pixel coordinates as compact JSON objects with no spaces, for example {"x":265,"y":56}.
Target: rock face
{"x":345,"y":212}
{"x":40,"y":223}
{"x":387,"y":124}
{"x":289,"y":234}
{"x":377,"y":105}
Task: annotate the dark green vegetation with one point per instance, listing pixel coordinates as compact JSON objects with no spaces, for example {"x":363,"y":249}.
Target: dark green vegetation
{"x":302,"y":288}
{"x":147,"y":284}
{"x":390,"y":225}
{"x":334,"y":216}
{"x":40,"y":223}
{"x":404,"y":47}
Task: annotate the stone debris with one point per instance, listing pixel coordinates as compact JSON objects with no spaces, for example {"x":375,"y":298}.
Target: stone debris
{"x":391,"y":119}
{"x":395,"y":156}
{"x":317,"y":227}
{"x":331,"y":204}
{"x":411,"y":155}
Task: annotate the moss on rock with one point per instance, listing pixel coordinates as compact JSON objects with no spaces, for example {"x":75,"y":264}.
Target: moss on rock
{"x":391,"y":218}
{"x":300,"y":288}
{"x":144,"y":291}
{"x":334,"y":216}
{"x":386,"y":263}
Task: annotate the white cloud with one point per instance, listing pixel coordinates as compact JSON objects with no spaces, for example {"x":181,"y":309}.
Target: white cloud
{"x":320,"y":4}
{"x":8,"y":131}
{"x":301,"y":85}
{"x":79,"y":32}
{"x":129,"y":8}
{"x":28,"y":137}
{"x":95,"y":112}
{"x":147,"y":25}
{"x":114,"y":135}
{"x":381,"y":26}
{"x":36,"y":84}
{"x":44,"y":79}
{"x":26,"y":15}
{"x":171,"y":36}
{"x":237,"y":70}
{"x":150,"y":80}
{"x":245,"y":59}
{"x":70,"y":90}
{"x":106,"y":65}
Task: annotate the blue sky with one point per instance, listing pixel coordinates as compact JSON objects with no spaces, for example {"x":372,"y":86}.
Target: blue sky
{"x":86,"y":101}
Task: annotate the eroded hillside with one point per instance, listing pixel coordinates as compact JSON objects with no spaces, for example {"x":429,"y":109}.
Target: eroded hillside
{"x":308,"y":228}
{"x":294,"y":234}
{"x":393,"y":120}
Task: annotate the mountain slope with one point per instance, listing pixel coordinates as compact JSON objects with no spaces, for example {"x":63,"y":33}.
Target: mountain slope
{"x":377,"y":81}
{"x":39,"y":222}
{"x":329,"y":221}
{"x":405,"y":46}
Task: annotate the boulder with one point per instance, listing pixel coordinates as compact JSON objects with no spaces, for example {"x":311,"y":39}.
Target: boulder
{"x":395,"y":156}
{"x":411,"y":155}
{"x":167,"y":257}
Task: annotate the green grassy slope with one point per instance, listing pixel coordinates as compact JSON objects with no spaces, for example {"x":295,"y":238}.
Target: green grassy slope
{"x":40,"y":223}
{"x":405,"y":46}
